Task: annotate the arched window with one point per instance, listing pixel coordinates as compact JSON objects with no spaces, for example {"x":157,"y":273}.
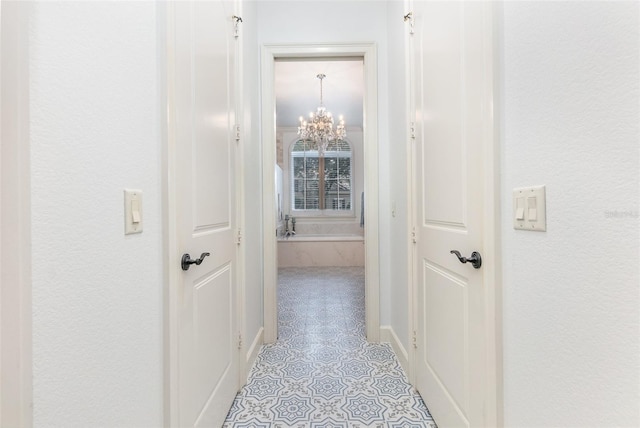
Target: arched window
{"x":321,"y":183}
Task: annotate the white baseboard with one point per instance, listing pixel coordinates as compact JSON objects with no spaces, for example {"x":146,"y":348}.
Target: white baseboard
{"x":252,"y":352}
{"x":388,"y":335}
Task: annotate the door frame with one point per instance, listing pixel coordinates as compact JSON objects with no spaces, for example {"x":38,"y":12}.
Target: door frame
{"x":171,"y":274}
{"x":269,"y":54}
{"x":16,"y":390}
{"x":491,"y":249}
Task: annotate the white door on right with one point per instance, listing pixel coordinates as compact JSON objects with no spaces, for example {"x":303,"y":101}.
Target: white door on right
{"x":451,"y":90}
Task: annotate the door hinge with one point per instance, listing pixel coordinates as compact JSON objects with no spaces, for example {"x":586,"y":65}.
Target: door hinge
{"x":414,"y":238}
{"x":239,"y":236}
{"x":239,"y":341}
{"x":412,"y":130}
{"x":237,"y":132}
{"x":415,"y":340}
{"x":409,"y":17}
{"x":236,"y":25}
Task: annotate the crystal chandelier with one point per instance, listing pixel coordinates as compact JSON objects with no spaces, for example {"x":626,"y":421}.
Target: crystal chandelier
{"x":319,"y":129}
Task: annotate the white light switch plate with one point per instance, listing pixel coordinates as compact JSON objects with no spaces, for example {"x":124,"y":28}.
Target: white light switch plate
{"x":132,"y":211}
{"x":529,"y":208}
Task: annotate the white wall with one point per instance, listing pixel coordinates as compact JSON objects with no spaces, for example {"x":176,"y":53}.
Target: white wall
{"x":97,"y":294}
{"x":298,"y":22}
{"x":571,"y":294}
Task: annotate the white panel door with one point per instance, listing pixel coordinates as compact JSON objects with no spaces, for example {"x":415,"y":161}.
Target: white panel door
{"x":206,"y":214}
{"x":451,"y":110}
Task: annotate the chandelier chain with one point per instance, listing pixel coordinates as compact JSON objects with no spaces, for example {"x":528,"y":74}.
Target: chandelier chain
{"x":321,"y":77}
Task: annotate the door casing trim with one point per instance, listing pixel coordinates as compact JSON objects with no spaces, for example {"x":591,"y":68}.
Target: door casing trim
{"x":270,"y":52}
{"x":16,"y":389}
{"x":166,"y":53}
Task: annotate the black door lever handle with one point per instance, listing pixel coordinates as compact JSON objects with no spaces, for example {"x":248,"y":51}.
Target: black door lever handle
{"x":186,"y":261}
{"x":475,"y":259}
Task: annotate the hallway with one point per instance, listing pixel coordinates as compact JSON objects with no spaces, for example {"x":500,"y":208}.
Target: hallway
{"x":94,"y":320}
{"x":322,"y":372}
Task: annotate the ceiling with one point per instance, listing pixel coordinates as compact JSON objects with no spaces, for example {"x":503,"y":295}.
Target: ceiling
{"x":298,"y":89}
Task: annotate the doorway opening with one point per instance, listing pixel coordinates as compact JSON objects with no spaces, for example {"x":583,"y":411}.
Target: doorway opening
{"x":345,"y":201}
{"x":319,"y":170}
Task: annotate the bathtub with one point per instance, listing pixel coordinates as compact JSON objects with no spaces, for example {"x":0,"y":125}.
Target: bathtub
{"x":321,"y":250}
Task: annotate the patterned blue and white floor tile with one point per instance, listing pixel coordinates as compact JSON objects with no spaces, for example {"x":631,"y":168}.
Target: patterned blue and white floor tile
{"x":322,"y":373}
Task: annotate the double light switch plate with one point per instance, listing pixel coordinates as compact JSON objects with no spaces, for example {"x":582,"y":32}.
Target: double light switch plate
{"x":529,"y":208}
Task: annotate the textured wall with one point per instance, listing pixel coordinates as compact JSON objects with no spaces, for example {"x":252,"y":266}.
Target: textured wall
{"x":571,"y":294}
{"x":97,"y":295}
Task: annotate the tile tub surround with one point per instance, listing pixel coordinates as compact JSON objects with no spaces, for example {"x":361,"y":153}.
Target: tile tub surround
{"x":322,"y":372}
{"x":306,"y":227}
{"x":321,"y":250}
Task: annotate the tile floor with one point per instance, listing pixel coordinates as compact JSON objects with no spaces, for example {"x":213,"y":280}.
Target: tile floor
{"x":322,"y":373}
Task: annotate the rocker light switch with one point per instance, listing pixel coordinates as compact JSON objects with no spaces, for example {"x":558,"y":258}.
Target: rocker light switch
{"x":520,"y":209}
{"x":132,"y":211}
{"x":135,"y":210}
{"x":529,"y":208}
